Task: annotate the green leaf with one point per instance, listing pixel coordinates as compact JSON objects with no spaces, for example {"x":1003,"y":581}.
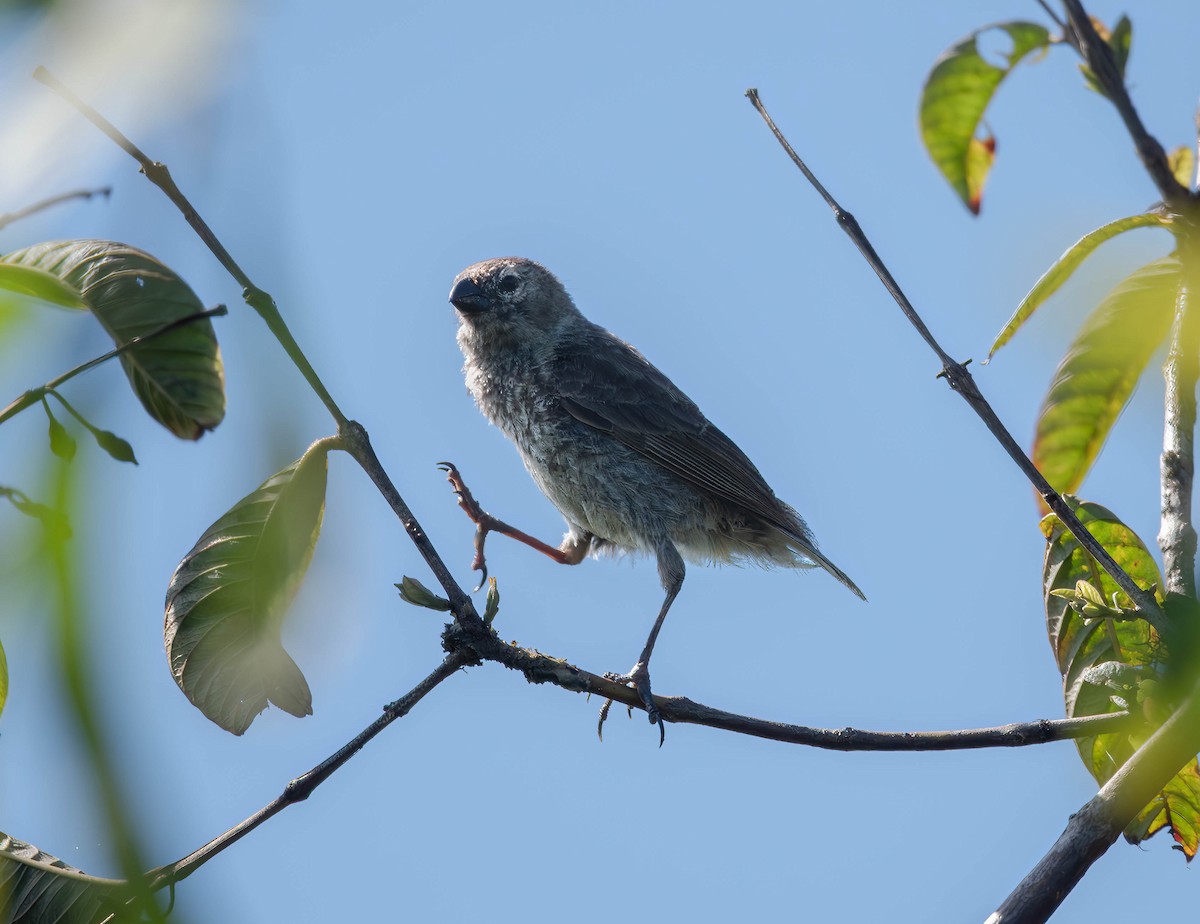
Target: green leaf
{"x":178,"y":376}
{"x":116,"y":447}
{"x":62,"y":444}
{"x":36,"y":888}
{"x":3,"y":681}
{"x":492,"y":606}
{"x":956,"y":95}
{"x":1097,"y":375}
{"x":37,"y":283}
{"x":1081,"y":648}
{"x":414,"y":592}
{"x":1066,"y":265}
{"x":1182,"y":162}
{"x":227,"y":599}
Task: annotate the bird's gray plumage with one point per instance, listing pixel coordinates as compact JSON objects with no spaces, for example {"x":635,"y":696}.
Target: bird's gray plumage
{"x":627,"y":458}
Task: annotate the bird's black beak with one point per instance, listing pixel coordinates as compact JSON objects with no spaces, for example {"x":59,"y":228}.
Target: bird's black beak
{"x":468,"y":297}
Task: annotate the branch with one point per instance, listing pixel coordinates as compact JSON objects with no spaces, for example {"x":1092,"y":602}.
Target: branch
{"x":961,"y":381}
{"x":357,"y":441}
{"x":34,"y":395}
{"x":9,"y":217}
{"x":542,"y":668}
{"x":303,"y":786}
{"x":255,"y":297}
{"x":1177,"y":535}
{"x":1099,"y":57}
{"x":1096,"y":826}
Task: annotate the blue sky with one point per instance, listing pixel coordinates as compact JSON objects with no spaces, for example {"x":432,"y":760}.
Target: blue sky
{"x":354,"y":160}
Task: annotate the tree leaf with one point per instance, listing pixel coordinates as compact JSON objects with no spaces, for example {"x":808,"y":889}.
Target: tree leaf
{"x":62,"y":444}
{"x":37,"y":283}
{"x":3,"y":679}
{"x":956,"y":95}
{"x":116,"y":447}
{"x":1182,"y":162}
{"x":36,"y":888}
{"x":178,"y":376}
{"x":1097,"y":375}
{"x":227,"y":599}
{"x":1066,"y":265}
{"x":1082,"y":646}
{"x":51,"y":519}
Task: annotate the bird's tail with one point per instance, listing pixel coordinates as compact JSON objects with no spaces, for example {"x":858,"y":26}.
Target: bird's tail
{"x":834,"y":570}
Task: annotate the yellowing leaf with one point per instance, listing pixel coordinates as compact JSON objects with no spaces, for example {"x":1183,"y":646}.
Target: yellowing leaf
{"x":1097,"y":375}
{"x":956,"y":95}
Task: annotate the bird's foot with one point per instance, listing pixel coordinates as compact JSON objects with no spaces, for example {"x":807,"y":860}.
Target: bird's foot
{"x":639,"y":679}
{"x":484,"y":521}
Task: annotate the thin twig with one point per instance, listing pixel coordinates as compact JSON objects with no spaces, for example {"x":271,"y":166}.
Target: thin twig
{"x":255,"y":297}
{"x":34,"y":395}
{"x":1177,"y":535}
{"x":961,"y":381}
{"x":1052,"y":14}
{"x":303,"y":786}
{"x":1096,"y":826}
{"x":542,"y":668}
{"x":1099,"y":57}
{"x":9,"y":217}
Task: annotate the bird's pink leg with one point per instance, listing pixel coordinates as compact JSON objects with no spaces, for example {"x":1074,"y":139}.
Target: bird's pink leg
{"x":569,"y":553}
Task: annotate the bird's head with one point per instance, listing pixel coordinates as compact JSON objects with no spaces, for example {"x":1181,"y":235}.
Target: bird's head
{"x":509,"y":299}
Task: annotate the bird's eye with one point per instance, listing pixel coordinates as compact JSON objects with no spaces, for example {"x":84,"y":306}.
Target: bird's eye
{"x":508,"y":283}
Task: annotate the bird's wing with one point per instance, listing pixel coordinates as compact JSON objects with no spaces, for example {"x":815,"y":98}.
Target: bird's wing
{"x":609,"y":386}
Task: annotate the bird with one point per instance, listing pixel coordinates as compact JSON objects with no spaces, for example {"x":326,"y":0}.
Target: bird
{"x":629,"y":460}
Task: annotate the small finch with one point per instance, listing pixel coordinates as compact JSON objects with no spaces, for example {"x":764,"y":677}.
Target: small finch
{"x":626,"y":457}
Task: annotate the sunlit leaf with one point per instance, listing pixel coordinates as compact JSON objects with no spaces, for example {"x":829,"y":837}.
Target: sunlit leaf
{"x":1182,"y":162}
{"x":37,"y":283}
{"x":3,"y":679}
{"x":1082,"y":647}
{"x":227,"y":599}
{"x":1176,"y":807}
{"x":956,"y":95}
{"x":492,"y":605}
{"x":178,"y":376}
{"x":1097,"y":375}
{"x":36,"y":888}
{"x":1066,"y":265}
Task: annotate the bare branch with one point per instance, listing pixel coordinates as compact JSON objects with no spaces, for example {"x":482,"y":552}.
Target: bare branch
{"x":303,"y":786}
{"x":9,"y":217}
{"x":961,"y":381}
{"x":542,"y":668}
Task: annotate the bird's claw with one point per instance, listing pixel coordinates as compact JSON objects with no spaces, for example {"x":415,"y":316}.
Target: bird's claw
{"x":639,"y":679}
{"x":482,"y":519}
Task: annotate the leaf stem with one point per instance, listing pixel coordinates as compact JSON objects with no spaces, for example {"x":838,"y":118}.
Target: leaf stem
{"x":961,"y":381}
